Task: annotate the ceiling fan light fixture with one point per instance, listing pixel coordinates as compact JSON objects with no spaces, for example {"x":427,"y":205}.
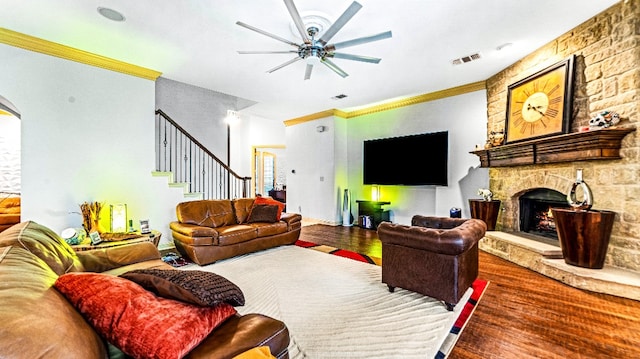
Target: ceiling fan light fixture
{"x":111,"y":14}
{"x":312,"y":60}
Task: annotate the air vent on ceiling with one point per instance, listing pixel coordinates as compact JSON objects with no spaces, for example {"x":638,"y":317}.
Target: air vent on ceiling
{"x":339,"y":97}
{"x":465,"y":59}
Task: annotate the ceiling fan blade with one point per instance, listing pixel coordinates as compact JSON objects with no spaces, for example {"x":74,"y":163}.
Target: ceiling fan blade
{"x":307,"y":71}
{"x":266,"y":33}
{"x":342,"y":20}
{"x":358,"y":41}
{"x":285,"y":64}
{"x":334,"y":68}
{"x":267,"y":52}
{"x":338,"y":55}
{"x":295,"y":15}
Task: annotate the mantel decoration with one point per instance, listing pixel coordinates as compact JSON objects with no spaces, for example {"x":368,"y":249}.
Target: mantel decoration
{"x":486,"y":194}
{"x":583,"y":233}
{"x":485,"y":209}
{"x":540,"y":105}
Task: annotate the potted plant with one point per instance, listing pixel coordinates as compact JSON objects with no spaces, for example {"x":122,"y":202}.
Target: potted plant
{"x":485,"y":209}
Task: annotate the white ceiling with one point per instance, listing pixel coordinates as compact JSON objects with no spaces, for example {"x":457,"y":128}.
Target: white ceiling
{"x":196,"y":42}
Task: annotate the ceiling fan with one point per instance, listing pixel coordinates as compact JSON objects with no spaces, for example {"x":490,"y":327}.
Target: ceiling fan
{"x":317,"y":50}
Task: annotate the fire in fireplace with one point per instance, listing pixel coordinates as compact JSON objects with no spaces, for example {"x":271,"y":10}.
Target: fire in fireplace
{"x":535,"y":211}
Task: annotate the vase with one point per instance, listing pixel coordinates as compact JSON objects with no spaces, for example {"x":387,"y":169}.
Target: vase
{"x":486,"y":211}
{"x":583,"y":235}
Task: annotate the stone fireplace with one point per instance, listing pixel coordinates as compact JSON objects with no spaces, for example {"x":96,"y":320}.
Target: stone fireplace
{"x":606,"y":77}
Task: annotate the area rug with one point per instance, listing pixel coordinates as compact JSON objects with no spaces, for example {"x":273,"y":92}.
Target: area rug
{"x":337,"y":307}
{"x":339,"y":252}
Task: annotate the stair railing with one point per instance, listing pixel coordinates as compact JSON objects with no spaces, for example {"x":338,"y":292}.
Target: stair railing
{"x":192,"y":163}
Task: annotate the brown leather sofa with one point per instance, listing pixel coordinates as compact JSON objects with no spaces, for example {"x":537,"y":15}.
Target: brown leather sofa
{"x":435,"y":256}
{"x":210,"y":230}
{"x":9,"y":211}
{"x":38,"y":322}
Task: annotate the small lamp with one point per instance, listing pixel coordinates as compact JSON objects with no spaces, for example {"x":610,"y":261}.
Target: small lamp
{"x":375,"y":193}
{"x":118,"y":218}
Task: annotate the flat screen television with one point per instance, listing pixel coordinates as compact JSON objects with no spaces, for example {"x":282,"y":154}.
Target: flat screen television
{"x":414,"y":160}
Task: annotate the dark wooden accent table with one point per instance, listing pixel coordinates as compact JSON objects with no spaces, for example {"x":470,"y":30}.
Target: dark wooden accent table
{"x":374,"y":210}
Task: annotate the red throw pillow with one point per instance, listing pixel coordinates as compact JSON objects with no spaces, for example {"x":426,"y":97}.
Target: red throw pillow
{"x":135,"y":320}
{"x":263,"y":200}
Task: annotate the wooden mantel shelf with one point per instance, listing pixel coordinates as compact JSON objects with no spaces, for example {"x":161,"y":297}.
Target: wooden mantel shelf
{"x":578,"y":146}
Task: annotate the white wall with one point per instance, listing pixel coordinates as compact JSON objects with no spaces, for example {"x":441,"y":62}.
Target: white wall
{"x":311,"y":181}
{"x":87,"y":135}
{"x":9,"y":154}
{"x":314,"y":154}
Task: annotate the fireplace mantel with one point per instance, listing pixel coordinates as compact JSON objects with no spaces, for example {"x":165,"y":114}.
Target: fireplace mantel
{"x":601,"y":144}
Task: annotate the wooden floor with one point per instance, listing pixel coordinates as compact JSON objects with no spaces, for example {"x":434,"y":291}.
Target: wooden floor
{"x":523,"y":314}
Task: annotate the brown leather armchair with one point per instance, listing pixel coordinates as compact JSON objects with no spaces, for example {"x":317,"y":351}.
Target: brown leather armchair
{"x":435,"y":256}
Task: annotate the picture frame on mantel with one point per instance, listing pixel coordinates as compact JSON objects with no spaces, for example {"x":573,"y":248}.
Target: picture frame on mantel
{"x":540,"y":105}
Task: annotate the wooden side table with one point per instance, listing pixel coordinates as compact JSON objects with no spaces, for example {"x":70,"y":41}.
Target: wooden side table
{"x":86,"y":245}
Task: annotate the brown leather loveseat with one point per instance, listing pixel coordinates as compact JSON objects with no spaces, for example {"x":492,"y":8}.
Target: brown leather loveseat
{"x":39,"y":322}
{"x":210,"y":230}
{"x":9,"y":211}
{"x":435,"y":256}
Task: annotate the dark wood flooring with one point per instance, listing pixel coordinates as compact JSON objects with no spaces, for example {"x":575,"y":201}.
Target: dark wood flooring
{"x":523,"y":314}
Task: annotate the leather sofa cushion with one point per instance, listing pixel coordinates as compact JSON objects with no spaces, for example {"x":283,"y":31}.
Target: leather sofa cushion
{"x":236,"y":234}
{"x":44,"y":244}
{"x":37,"y":321}
{"x":206,"y":213}
{"x":242,"y":207}
{"x":270,"y":229}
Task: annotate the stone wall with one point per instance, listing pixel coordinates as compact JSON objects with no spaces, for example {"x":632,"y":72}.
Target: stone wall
{"x":607,"y":77}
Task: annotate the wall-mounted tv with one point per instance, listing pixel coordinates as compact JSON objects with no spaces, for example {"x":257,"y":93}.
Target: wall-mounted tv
{"x":414,"y":160}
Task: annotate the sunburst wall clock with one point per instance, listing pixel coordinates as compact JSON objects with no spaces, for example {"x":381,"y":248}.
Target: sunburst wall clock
{"x":540,"y":105}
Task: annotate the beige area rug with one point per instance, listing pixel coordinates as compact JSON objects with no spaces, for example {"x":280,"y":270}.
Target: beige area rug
{"x":336,"y":307}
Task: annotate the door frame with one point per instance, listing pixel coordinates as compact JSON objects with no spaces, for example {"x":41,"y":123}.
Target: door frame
{"x":254,"y":150}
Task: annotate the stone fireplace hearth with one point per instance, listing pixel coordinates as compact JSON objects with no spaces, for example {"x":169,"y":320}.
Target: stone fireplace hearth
{"x":541,"y":254}
{"x":606,"y":78}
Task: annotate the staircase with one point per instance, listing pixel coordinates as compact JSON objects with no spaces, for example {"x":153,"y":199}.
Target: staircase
{"x":187,"y":164}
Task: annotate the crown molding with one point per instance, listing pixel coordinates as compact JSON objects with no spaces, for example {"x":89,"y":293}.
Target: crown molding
{"x":42,"y":46}
{"x":432,"y":96}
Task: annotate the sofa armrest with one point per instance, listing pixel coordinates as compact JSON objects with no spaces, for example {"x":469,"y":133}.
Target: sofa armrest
{"x":293,"y":221}
{"x":101,"y":260}
{"x":193,"y":230}
{"x":446,"y":241}
{"x":290,"y":218}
